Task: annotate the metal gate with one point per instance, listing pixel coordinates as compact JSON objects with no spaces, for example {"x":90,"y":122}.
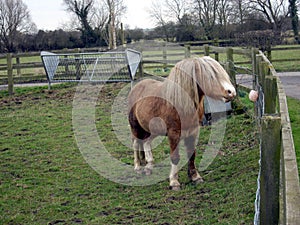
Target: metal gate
{"x":112,"y":66}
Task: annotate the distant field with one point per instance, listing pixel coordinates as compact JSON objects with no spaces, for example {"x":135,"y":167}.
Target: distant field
{"x":38,"y":74}
{"x":286,"y":54}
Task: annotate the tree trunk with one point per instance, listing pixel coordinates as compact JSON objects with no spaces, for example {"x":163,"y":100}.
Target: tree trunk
{"x":295,"y":19}
{"x":112,"y":25}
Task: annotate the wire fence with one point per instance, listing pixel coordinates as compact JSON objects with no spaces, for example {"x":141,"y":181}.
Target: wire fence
{"x":112,"y":66}
{"x":259,"y":107}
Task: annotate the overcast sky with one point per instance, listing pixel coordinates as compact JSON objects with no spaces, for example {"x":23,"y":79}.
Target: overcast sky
{"x":50,"y":14}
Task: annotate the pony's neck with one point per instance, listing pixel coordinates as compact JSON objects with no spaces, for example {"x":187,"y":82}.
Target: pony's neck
{"x":200,"y":93}
{"x":200,"y":97}
{"x":183,"y":92}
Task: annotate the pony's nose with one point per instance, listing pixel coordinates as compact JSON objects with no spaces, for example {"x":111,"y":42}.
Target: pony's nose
{"x":231,"y":93}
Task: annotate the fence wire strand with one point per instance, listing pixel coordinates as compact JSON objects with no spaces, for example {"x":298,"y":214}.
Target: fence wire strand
{"x":259,"y":105}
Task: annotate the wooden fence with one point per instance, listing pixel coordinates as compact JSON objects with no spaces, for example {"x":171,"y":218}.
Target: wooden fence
{"x":279,"y":178}
{"x":287,"y":48}
{"x":279,"y":190}
{"x":28,"y":68}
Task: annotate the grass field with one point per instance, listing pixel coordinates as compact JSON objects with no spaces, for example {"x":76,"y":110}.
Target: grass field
{"x":294,"y":113}
{"x":286,"y":65}
{"x":44,"y":178}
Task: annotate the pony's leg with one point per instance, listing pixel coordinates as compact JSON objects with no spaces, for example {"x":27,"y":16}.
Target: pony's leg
{"x":174,"y":183}
{"x":191,"y":154}
{"x":137,"y":161}
{"x":175,"y":157}
{"x":148,"y":156}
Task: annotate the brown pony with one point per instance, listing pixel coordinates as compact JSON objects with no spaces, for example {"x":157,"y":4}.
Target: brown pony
{"x":173,"y":108}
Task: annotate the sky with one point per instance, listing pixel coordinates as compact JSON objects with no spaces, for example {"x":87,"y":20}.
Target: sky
{"x":50,"y":14}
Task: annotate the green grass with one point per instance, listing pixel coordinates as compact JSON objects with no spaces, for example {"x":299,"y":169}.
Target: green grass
{"x":286,"y":54}
{"x":294,"y":113}
{"x":44,"y":178}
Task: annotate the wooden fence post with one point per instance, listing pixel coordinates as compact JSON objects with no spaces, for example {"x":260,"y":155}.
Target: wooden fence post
{"x":263,"y":73}
{"x":269,"y":54}
{"x":271,"y":93}
{"x":122,"y":35}
{"x":18,"y":62}
{"x":217,"y":56}
{"x":165,"y":65}
{"x":78,"y":68}
{"x":10,"y":74}
{"x":258,"y":69}
{"x":254,"y":52}
{"x":141,"y":66}
{"x":230,"y":69}
{"x":270,"y":169}
{"x":66,"y":66}
{"x":269,"y":85}
{"x":206,"y":50}
{"x":216,"y":43}
{"x":141,"y":69}
{"x":187,"y":51}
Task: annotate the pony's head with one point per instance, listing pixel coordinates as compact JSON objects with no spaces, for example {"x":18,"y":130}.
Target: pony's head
{"x":213,"y":79}
{"x":192,"y":78}
{"x":209,"y":75}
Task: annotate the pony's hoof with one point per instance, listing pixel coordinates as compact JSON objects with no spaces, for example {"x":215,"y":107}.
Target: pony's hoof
{"x":147,"y":171}
{"x":175,"y":188}
{"x":174,"y":185}
{"x":198,"y":181}
{"x":138,"y":170}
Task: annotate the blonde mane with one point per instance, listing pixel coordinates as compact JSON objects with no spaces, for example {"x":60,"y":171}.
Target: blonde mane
{"x":185,"y":79}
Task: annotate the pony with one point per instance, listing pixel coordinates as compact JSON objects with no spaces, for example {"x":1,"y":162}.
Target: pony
{"x":174,"y":108}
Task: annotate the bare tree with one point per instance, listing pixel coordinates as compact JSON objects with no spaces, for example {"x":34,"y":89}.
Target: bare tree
{"x":223,"y":11}
{"x":158,"y":13}
{"x":82,"y":9}
{"x":112,"y":24}
{"x":14,"y":19}
{"x":167,"y":11}
{"x":100,"y":16}
{"x":274,"y":11}
{"x":294,"y":18}
{"x":116,"y":9}
{"x":206,"y":10}
{"x":239,"y":11}
{"x":176,"y":9}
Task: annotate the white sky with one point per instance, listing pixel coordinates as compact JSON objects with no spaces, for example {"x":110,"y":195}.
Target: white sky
{"x":50,"y":14}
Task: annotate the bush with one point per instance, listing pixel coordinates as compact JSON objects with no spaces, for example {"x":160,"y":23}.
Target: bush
{"x":262,"y":39}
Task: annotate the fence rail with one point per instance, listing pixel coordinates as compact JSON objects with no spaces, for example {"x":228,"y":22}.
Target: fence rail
{"x":27,"y":67}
